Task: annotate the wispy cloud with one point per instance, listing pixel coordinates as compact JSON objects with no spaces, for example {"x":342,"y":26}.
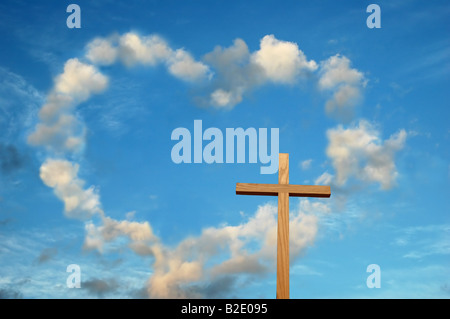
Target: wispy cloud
{"x":101,"y":287}
{"x":304,"y":270}
{"x":417,"y":281}
{"x":19,"y":103}
{"x":46,"y":254}
{"x":424,"y":241}
{"x":306,"y":164}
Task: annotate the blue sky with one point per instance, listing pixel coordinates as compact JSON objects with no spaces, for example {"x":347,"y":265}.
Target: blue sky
{"x":86,"y":175}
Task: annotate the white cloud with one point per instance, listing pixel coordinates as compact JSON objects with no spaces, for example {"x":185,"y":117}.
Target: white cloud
{"x":336,"y":71}
{"x":101,"y":51}
{"x":344,"y":82}
{"x":62,"y":176}
{"x":65,"y":133}
{"x":282,"y":61}
{"x":56,"y":103}
{"x":59,"y":130}
{"x":359,"y":152}
{"x":183,"y":66}
{"x":167,"y":283}
{"x":133,"y":49}
{"x":314,"y":207}
{"x":80,"y":80}
{"x":221,"y":98}
{"x":93,"y":239}
{"x":111,"y":229}
{"x":306,"y":164}
{"x":149,"y":50}
{"x":324,"y":179}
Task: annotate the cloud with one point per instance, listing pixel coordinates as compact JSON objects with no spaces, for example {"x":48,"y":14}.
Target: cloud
{"x":59,"y":130}
{"x":183,"y":66}
{"x":149,"y":50}
{"x":336,"y":71}
{"x":238,"y":71}
{"x":66,"y":133}
{"x":80,"y":80}
{"x":233,"y":75}
{"x":100,"y":287}
{"x":168,"y":283}
{"x":229,"y":73}
{"x":10,"y":158}
{"x":101,"y":51}
{"x":250,"y":246}
{"x":46,"y":254}
{"x":445,"y":288}
{"x":306,"y":164}
{"x":421,"y":281}
{"x":132,"y":49}
{"x":243,"y":263}
{"x":345,"y":84}
{"x":199,"y":264}
{"x":10,"y":293}
{"x":186,"y":270}
{"x":136,"y":231}
{"x":19,"y":102}
{"x":425,"y":240}
{"x":324,"y":179}
{"x":110,"y":229}
{"x":343,"y":101}
{"x":62,"y":176}
{"x":359,"y":152}
{"x":4,"y":222}
{"x":282,"y":61}
{"x":217,"y":288}
{"x":314,"y":207}
{"x":304,"y":270}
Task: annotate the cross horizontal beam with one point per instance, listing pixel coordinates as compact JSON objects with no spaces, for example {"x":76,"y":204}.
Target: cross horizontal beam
{"x":275,"y":189}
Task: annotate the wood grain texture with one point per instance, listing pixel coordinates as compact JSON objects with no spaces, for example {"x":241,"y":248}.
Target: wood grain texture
{"x":283,"y":230}
{"x":283,"y":168}
{"x":274,"y":189}
{"x":283,"y":247}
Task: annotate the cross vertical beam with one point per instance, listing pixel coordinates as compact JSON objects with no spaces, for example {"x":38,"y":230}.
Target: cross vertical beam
{"x":283,"y":230}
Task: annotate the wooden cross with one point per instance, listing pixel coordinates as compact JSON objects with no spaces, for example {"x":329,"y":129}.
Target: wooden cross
{"x":283,"y":190}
